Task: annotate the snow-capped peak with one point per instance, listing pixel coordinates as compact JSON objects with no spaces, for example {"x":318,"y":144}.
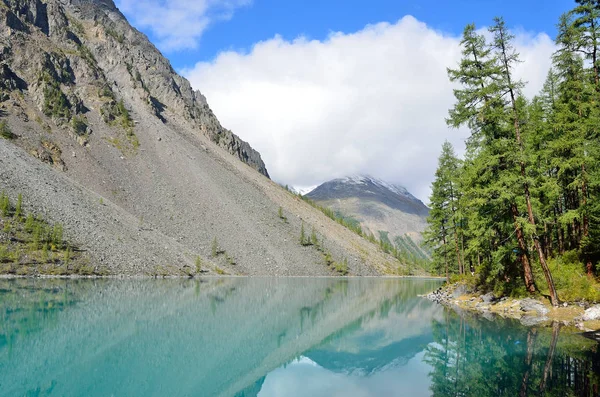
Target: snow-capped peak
{"x":364,"y":179}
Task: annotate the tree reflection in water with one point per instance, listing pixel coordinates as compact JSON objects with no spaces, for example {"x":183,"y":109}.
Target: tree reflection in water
{"x":475,"y":357}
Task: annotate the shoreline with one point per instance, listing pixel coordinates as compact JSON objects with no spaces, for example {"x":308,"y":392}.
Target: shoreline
{"x":528,"y":311}
{"x":182,"y":277}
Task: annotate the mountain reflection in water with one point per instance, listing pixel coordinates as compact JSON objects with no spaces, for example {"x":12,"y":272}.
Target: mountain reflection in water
{"x":272,"y":337}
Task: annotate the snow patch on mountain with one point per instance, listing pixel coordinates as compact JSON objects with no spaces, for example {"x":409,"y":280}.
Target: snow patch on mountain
{"x":366,"y":179}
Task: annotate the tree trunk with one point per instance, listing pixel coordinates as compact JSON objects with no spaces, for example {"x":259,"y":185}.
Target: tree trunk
{"x":559,"y":234}
{"x":589,"y":265}
{"x":461,"y":269}
{"x":536,"y":241}
{"x":594,"y":52}
{"x":446,"y":259}
{"x":531,"y":335}
{"x":527,"y":272}
{"x":548,"y":366}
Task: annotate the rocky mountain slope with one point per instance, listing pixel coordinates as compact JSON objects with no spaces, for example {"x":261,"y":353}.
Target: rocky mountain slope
{"x":104,"y":137}
{"x":385,"y":210}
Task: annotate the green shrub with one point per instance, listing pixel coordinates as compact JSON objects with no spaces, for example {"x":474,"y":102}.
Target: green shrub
{"x":304,"y":239}
{"x":313,"y":237}
{"x":342,"y":267}
{"x":198,"y":264}
{"x":4,"y":204}
{"x":280,"y":214}
{"x":106,"y":92}
{"x":67,"y":256}
{"x":119,"y":37}
{"x":79,"y":125}
{"x":19,"y":207}
{"x":29,"y":223}
{"x":57,"y":235}
{"x":5,"y":131}
{"x":116,"y":114}
{"x":4,"y":254}
{"x":328,"y":258}
{"x":55,"y":103}
{"x":220,"y":271}
{"x":45,"y":256}
{"x":87,"y":56}
{"x":571,"y":282}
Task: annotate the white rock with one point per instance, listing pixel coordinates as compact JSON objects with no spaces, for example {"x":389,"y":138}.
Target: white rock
{"x":593,"y":313}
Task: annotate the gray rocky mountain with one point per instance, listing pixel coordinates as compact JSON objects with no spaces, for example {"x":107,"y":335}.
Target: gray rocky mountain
{"x":383,"y":209}
{"x":110,"y":141}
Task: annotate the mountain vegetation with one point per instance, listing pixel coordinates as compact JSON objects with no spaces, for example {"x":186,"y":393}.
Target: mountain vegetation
{"x":30,"y":246}
{"x":522,"y":209}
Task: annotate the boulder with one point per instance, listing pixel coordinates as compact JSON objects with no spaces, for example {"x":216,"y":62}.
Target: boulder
{"x":532,"y":305}
{"x":488,"y":298}
{"x":459,"y":291}
{"x":593,"y":313}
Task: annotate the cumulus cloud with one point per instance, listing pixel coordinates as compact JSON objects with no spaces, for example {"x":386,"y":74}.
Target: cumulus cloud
{"x":370,"y":102}
{"x":177,"y":24}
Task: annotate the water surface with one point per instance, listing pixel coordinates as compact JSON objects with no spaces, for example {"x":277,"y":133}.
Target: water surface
{"x":273,"y":337}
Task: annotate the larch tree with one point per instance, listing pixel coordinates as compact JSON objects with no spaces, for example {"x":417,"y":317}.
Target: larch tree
{"x":507,"y":84}
{"x":492,"y":150}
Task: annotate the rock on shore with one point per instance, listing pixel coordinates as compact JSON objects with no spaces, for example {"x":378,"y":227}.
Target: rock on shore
{"x":528,"y":311}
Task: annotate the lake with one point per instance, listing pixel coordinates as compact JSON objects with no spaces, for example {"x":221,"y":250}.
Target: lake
{"x":273,"y":337}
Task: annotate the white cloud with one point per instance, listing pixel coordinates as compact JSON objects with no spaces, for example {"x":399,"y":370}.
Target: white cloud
{"x":177,"y":24}
{"x":369,"y":102}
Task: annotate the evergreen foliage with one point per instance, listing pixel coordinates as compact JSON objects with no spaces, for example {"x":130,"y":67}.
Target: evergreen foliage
{"x":215,"y":248}
{"x":527,"y":191}
{"x":55,"y":103}
{"x":34,"y":247}
{"x":198,"y":264}
{"x":79,"y":125}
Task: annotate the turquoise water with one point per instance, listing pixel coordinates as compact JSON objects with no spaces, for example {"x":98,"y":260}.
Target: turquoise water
{"x":272,"y":337}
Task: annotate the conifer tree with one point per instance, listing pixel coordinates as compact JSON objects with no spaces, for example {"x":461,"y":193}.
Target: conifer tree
{"x":492,"y":152}
{"x":507,"y":58}
{"x":444,"y":215}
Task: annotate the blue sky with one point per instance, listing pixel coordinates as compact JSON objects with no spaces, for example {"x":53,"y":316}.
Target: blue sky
{"x":262,"y":19}
{"x":370,"y":99}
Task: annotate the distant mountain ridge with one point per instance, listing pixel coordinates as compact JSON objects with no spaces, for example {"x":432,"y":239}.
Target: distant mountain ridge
{"x":388,"y":211}
{"x":370,"y":188}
